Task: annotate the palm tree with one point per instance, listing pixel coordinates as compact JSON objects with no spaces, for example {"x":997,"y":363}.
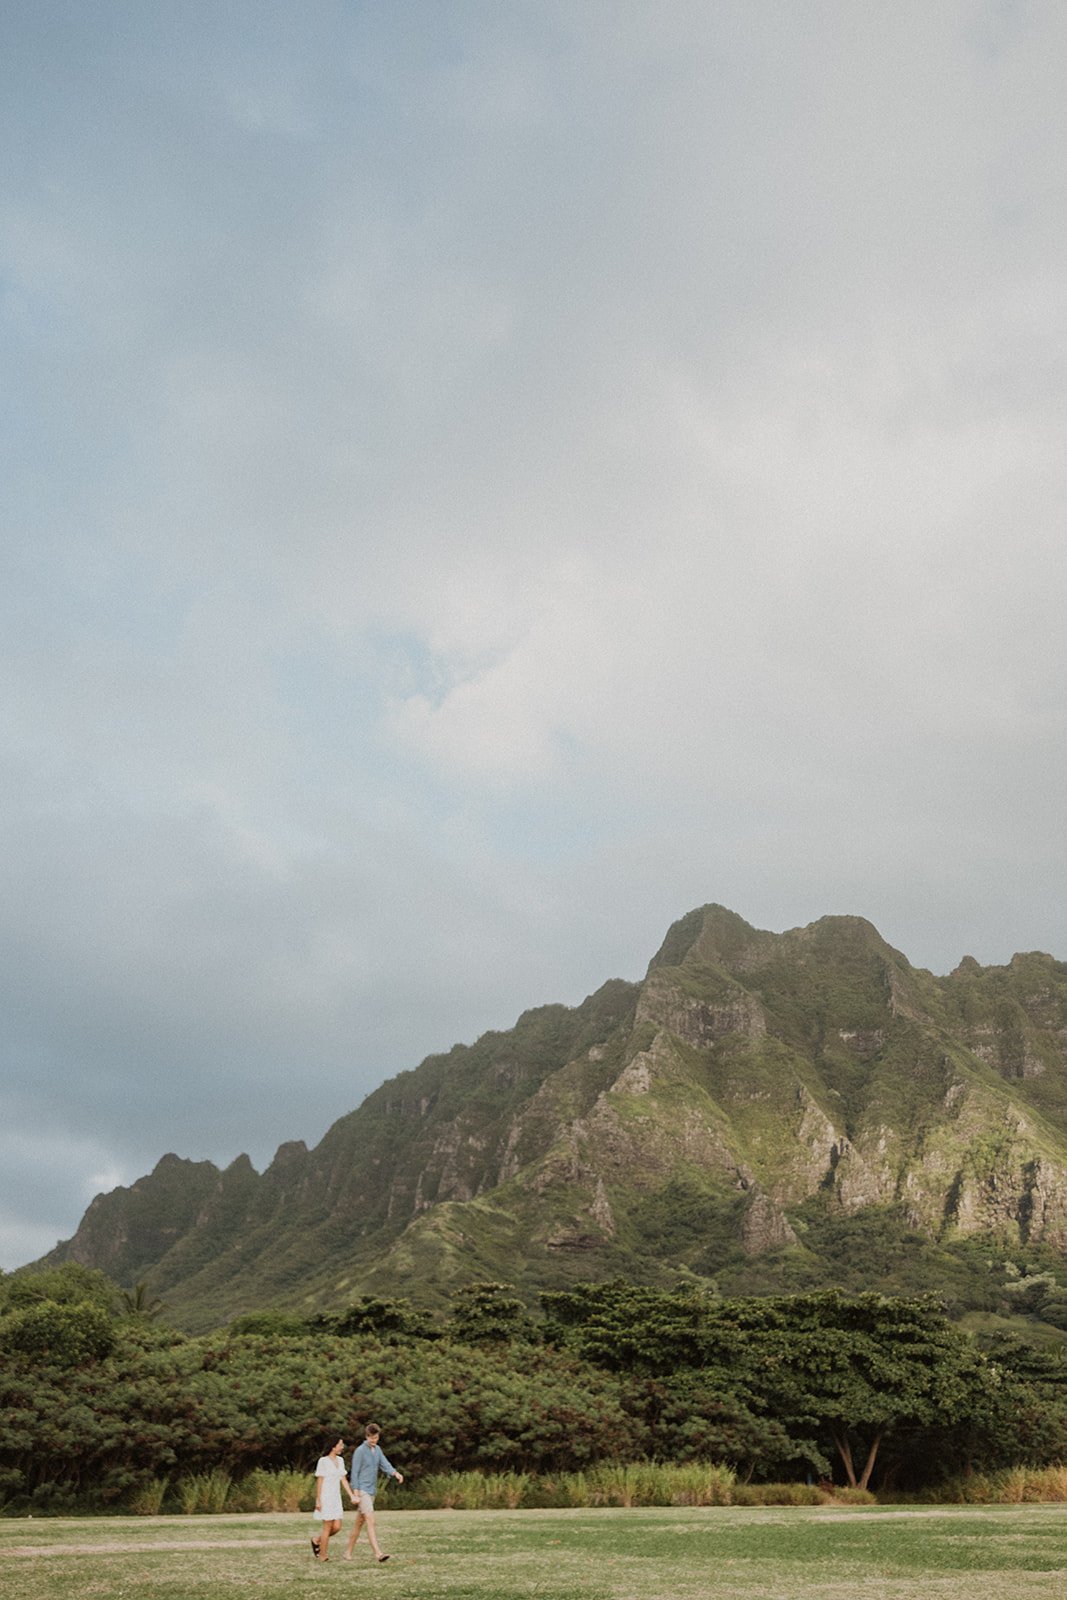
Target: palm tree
{"x":140,"y":1303}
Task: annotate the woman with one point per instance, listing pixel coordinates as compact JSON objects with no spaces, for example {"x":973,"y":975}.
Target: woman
{"x":329,"y":1476}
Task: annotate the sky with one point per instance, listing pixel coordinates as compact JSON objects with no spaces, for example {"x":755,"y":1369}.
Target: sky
{"x":481,"y":478}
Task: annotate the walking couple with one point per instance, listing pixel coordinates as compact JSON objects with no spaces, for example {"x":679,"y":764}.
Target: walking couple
{"x":367,"y":1462}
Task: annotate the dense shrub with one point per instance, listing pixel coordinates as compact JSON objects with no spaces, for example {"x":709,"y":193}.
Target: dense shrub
{"x":104,"y":1412}
{"x":63,"y":1335}
{"x":157,"y":1408}
{"x":269,"y":1325}
{"x":70,"y":1284}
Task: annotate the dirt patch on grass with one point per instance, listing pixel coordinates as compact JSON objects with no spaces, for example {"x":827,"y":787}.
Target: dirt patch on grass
{"x":126,"y":1548}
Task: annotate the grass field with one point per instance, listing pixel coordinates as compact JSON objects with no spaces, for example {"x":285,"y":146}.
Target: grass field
{"x":960,"y":1553}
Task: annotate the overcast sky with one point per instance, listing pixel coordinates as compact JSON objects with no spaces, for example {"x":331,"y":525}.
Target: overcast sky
{"x":479,"y":480}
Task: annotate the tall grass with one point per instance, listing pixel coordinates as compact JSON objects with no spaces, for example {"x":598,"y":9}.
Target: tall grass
{"x":204,"y":1491}
{"x":703,"y":1484}
{"x":783,"y":1494}
{"x":147,"y":1499}
{"x":285,"y":1490}
{"x":639,"y":1483}
{"x":562,"y":1491}
{"x":635,"y":1483}
{"x":651,"y":1483}
{"x":1009,"y":1487}
{"x":471,"y":1491}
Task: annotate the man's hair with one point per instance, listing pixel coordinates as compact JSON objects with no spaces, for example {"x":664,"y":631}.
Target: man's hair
{"x":372,"y":1430}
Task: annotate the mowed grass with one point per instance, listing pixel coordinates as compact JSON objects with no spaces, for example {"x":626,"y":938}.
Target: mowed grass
{"x":957,"y":1553}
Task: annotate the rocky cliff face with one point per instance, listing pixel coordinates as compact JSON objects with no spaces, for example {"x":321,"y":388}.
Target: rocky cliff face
{"x":669,"y":1127}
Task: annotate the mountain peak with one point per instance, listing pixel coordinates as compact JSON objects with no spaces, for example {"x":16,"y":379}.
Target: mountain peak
{"x":711,"y":934}
{"x":704,"y":1124}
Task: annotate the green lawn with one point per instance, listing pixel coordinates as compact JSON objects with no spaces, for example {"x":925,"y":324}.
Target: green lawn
{"x":964,"y":1553}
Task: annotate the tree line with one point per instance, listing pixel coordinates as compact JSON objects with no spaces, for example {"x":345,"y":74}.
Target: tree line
{"x":99,"y":1397}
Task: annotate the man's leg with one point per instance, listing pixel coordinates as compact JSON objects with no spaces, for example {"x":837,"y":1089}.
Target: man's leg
{"x":354,"y":1535}
{"x":371,"y":1535}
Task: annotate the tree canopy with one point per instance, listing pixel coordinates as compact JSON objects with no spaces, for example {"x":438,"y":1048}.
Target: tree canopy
{"x":94,"y":1401}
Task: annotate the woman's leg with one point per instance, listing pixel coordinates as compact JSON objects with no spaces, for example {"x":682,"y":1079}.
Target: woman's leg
{"x":328,"y":1528}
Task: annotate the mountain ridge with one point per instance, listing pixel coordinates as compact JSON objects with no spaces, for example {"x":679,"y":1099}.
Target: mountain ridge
{"x":708,"y":1123}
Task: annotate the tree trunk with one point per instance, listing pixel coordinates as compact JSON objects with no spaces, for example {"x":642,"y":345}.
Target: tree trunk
{"x":865,"y":1477}
{"x":845,"y":1452}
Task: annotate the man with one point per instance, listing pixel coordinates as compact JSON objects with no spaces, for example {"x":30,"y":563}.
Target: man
{"x":367,"y":1462}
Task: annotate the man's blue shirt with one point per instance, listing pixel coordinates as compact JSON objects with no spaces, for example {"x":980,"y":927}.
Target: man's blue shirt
{"x":367,"y":1462}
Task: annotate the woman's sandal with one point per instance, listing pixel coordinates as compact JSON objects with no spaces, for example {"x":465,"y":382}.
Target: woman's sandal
{"x":383,"y":1558}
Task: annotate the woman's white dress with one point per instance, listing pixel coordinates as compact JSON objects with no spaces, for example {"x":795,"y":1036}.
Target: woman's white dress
{"x":331,"y":1469}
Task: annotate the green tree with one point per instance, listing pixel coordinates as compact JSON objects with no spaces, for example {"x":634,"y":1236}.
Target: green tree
{"x":383,"y":1318}
{"x":70,"y":1284}
{"x":488,"y":1313}
{"x":691,"y":1416}
{"x":66,"y":1335}
{"x":628,"y":1328}
{"x":857,"y":1370}
{"x":837,"y":1374}
{"x":268,"y":1325}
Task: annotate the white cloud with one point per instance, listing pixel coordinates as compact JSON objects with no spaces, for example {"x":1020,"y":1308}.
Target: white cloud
{"x":480,"y":484}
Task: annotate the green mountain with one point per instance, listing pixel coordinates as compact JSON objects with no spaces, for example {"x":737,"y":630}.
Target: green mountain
{"x":764,"y":1111}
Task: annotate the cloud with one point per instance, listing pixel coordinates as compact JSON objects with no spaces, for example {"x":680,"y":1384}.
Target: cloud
{"x":480,"y":484}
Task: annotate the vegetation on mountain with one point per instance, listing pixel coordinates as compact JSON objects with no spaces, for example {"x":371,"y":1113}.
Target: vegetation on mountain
{"x":763,"y":1113}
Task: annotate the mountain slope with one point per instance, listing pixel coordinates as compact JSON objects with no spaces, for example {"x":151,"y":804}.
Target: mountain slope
{"x":719,"y":1120}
